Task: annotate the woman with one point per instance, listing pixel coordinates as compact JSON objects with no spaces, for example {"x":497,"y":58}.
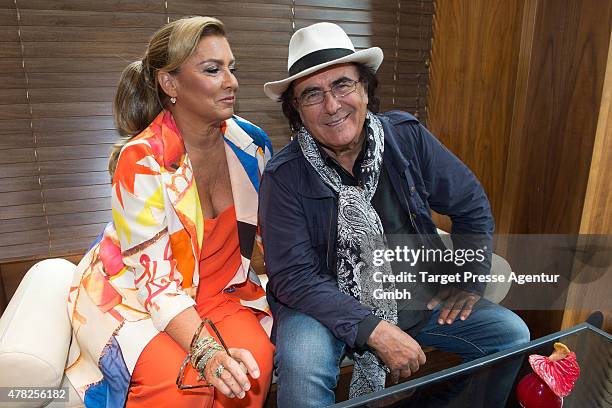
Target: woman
{"x":184,"y":204}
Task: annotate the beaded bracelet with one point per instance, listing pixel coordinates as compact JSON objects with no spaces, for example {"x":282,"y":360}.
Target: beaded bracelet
{"x":201,"y":346}
{"x":206,"y":356}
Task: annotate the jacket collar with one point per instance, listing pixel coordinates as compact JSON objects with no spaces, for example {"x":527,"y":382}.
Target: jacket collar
{"x":396,"y":164}
{"x":182,"y":188}
{"x":392,"y":150}
{"x":310,"y":184}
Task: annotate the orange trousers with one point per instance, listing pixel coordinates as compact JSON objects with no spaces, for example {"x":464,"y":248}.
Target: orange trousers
{"x":153,"y":382}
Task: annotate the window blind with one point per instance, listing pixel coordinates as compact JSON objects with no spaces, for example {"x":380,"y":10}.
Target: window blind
{"x":60,"y":61}
{"x":402,"y":29}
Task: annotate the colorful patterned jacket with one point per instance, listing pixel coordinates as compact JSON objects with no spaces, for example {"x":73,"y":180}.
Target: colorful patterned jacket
{"x":143,"y":271}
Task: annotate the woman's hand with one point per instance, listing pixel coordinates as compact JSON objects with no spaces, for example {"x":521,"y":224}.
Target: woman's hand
{"x":232,"y":381}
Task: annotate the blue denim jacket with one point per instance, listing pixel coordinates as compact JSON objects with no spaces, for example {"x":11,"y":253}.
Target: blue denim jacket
{"x":298,"y":218}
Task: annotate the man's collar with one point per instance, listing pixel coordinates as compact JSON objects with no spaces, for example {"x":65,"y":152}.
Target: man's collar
{"x":333,"y":163}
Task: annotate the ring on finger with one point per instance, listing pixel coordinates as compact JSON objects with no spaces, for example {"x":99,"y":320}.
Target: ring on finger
{"x":219,"y":371}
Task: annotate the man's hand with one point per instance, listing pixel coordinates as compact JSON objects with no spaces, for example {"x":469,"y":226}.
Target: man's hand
{"x":454,"y":301}
{"x":400,"y":352}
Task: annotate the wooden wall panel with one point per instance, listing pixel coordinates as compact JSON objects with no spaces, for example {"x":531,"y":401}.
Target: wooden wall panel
{"x":515,"y":92}
{"x":563,"y":57}
{"x":548,"y":170}
{"x":582,"y":299}
{"x":472,"y":84}
{"x":597,"y":214}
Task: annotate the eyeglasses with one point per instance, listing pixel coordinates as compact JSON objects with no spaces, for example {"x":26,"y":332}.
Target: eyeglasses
{"x":317,"y":96}
{"x":181,"y":375}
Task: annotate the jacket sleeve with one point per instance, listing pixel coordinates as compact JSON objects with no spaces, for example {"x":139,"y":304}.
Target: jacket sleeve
{"x":295,"y":276}
{"x":455,"y":191}
{"x":138,"y":207}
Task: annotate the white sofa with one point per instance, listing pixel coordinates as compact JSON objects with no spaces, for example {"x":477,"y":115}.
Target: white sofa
{"x":35,"y":331}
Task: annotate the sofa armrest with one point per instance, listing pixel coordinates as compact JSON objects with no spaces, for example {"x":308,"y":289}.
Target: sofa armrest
{"x":35,"y":330}
{"x":495,"y":292}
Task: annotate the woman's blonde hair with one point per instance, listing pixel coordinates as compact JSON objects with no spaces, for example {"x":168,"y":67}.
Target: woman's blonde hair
{"x":139,"y":98}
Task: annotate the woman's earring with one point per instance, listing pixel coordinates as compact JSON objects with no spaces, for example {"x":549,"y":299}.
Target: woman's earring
{"x":173,"y":100}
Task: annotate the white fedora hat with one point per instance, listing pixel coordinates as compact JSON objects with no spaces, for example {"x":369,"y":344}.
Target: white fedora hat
{"x":318,"y":46}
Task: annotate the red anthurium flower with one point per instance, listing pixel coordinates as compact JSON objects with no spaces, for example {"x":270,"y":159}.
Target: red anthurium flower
{"x":559,"y":371}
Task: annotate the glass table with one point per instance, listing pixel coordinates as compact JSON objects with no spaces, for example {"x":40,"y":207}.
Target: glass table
{"x":469,"y":384}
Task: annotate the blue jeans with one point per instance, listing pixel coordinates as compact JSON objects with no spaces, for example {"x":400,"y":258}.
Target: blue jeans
{"x":307,"y":354}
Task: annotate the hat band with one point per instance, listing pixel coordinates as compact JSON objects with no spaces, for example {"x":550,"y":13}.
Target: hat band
{"x":318,"y":57}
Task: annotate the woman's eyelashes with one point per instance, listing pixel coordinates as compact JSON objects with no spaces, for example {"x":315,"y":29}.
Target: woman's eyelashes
{"x":214,"y":69}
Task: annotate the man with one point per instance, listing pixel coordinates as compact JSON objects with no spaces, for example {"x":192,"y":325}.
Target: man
{"x":353,"y":182}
